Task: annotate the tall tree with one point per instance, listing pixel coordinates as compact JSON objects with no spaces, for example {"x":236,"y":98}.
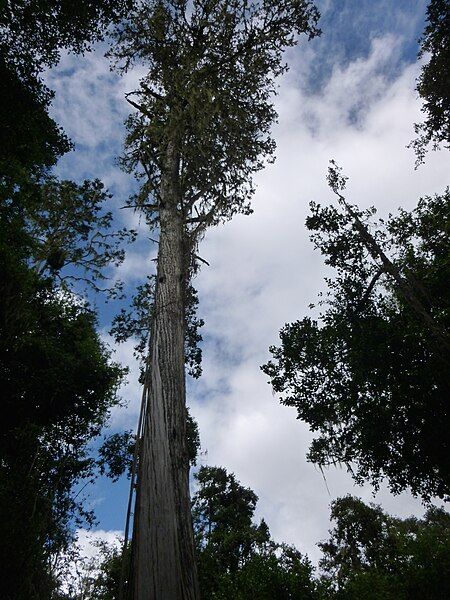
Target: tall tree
{"x":377,"y":359}
{"x":200,"y":131}
{"x":236,"y":557}
{"x":225,"y":534}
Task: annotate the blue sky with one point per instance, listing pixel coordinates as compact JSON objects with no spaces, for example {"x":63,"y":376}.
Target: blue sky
{"x":349,"y":95}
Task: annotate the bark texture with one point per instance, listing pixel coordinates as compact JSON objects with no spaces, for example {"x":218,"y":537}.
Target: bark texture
{"x":163,"y":563}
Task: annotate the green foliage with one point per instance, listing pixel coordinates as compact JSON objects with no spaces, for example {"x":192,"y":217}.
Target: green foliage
{"x":58,"y":386}
{"x":32,"y":36}
{"x":101,"y":576}
{"x":71,"y":233}
{"x":236,"y":558}
{"x":222,"y":506}
{"x":369,"y":555}
{"x":192,"y":439}
{"x":281,"y":575}
{"x":375,"y":556}
{"x":434,"y":82}
{"x":54,"y":213}
{"x":29,"y":139}
{"x":116,"y":453}
{"x":135,"y":323}
{"x":364,"y":537}
{"x":48,"y":343}
{"x":376,"y":361}
{"x":58,"y":383}
{"x":33,"y":33}
{"x":211,"y":73}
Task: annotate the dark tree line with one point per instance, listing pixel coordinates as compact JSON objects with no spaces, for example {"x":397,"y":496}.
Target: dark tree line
{"x":369,"y":554}
{"x":57,"y":379}
{"x":371,"y":375}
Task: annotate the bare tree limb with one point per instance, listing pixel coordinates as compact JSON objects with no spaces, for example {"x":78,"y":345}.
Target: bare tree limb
{"x":202,"y":260}
{"x":138,"y":107}
{"x":369,"y":289}
{"x":202,"y":218}
{"x":154,"y":207}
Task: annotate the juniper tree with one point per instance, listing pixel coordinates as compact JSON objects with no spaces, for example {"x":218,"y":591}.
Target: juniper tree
{"x":200,"y":130}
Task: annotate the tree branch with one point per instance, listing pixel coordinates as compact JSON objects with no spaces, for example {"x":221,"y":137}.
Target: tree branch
{"x":369,"y":289}
{"x":151,"y":92}
{"x":405,"y":285}
{"x":138,"y":107}
{"x":193,"y":199}
{"x":154,"y":207}
{"x":202,"y":260}
{"x":203,"y":218}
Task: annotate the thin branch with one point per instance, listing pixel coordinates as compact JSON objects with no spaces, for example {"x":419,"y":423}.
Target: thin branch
{"x":193,"y":199}
{"x":151,"y":92}
{"x":369,"y":289}
{"x":154,"y":207}
{"x":144,"y":164}
{"x":202,"y":260}
{"x":138,"y":107}
{"x":405,"y":286}
{"x":203,"y":218}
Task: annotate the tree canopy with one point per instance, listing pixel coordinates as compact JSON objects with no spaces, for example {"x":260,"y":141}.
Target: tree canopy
{"x":58,"y":386}
{"x":371,"y":554}
{"x":376,"y":360}
{"x":208,"y":93}
{"x":237,"y":559}
{"x":370,"y":374}
{"x":58,"y":381}
{"x":368,"y":554}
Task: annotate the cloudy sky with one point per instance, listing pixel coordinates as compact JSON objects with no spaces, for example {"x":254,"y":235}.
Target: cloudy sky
{"x":349,"y":96}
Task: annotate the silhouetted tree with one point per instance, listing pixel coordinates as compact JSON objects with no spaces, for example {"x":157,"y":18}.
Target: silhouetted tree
{"x":371,"y":375}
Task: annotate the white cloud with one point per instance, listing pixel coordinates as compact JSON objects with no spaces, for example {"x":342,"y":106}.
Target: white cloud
{"x":80,"y":566}
{"x":131,"y":392}
{"x":87,"y":103}
{"x":264,"y":273}
{"x":87,"y":541}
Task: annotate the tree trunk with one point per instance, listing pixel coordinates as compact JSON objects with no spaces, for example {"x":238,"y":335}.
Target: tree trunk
{"x":163,"y":547}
